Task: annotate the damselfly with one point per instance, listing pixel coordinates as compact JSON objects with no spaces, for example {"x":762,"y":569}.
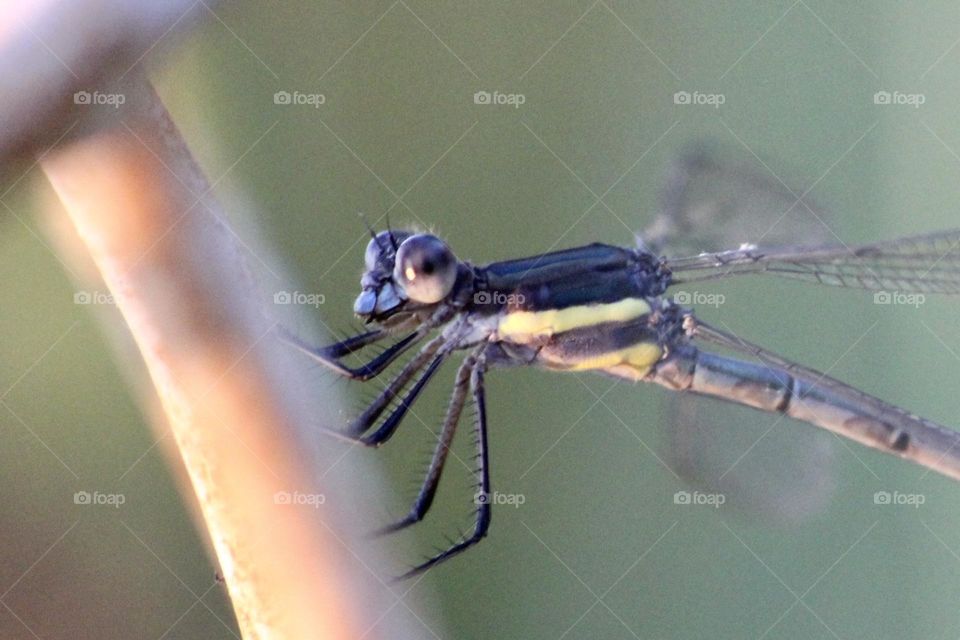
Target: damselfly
{"x":606,"y":308}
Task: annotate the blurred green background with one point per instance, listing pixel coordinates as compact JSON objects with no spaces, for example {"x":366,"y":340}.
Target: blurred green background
{"x":598,"y":549}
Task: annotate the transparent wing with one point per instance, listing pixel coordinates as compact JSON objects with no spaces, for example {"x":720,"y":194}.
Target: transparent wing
{"x":921,"y":264}
{"x":762,"y":464}
{"x":713,"y":199}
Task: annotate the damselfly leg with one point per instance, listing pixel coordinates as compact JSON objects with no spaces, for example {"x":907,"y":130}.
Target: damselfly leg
{"x":483,"y":495}
{"x":425,"y":364}
{"x":329,"y":356}
{"x":461,"y":387}
{"x":420,"y":369}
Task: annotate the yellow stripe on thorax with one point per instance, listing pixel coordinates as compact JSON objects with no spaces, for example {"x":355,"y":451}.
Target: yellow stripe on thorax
{"x":521,"y":326}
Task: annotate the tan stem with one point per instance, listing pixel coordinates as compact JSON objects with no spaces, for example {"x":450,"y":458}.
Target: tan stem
{"x":140,"y":205}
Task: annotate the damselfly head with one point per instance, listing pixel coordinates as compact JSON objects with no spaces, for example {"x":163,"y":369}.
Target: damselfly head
{"x":404,"y":272}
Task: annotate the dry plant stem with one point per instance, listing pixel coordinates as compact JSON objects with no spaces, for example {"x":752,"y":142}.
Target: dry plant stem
{"x":140,"y":205}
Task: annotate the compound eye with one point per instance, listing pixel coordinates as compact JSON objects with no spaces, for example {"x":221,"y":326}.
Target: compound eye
{"x":425,"y":268}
